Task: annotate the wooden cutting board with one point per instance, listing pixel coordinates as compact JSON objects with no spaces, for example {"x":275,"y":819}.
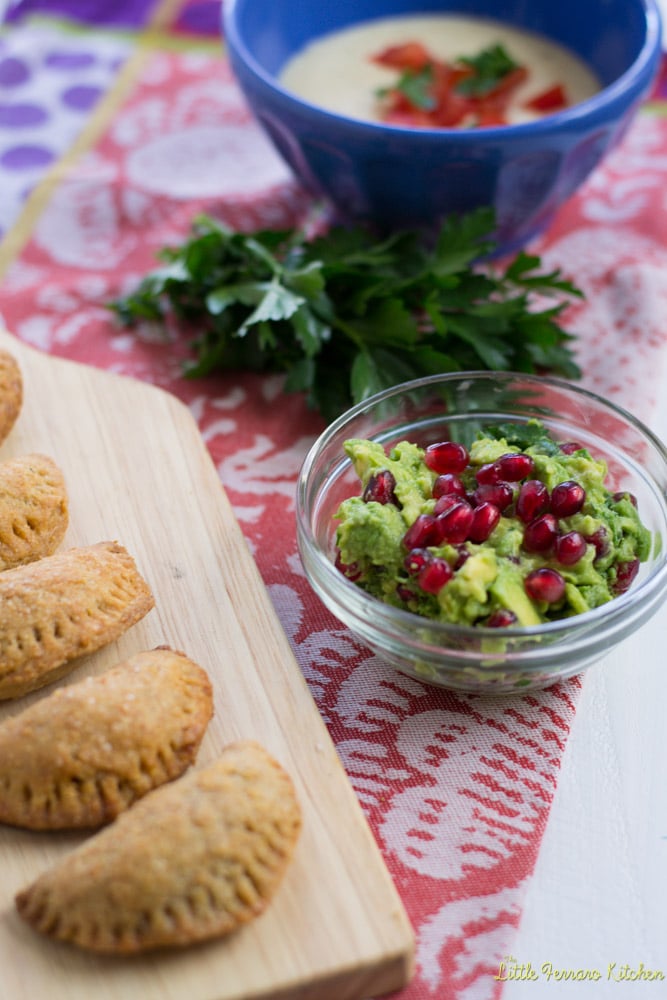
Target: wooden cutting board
{"x":138,"y":471}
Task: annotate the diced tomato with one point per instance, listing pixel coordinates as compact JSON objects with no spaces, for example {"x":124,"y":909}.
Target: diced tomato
{"x":397,"y":109}
{"x":509,"y":82}
{"x":446,"y":106}
{"x":490,"y":117}
{"x":410,"y":55}
{"x":552,"y":99}
{"x":459,"y":73}
{"x":451,"y":110}
{"x":408,"y":119}
{"x":492,"y":110}
{"x":443,"y":76}
{"x":395,"y":102}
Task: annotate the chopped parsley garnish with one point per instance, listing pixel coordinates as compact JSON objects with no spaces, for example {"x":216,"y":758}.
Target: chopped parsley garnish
{"x":416,"y":86}
{"x":488,"y":67}
{"x":346,"y":315}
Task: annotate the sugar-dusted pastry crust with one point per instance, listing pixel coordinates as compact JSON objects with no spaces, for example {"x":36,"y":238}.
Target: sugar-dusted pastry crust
{"x":192,"y":860}
{"x":62,"y":607}
{"x":34,"y":510}
{"x":86,"y":752}
{"x":11,"y":392}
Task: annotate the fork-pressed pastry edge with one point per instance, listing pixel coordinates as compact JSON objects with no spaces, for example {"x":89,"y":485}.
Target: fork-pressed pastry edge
{"x":193,"y":860}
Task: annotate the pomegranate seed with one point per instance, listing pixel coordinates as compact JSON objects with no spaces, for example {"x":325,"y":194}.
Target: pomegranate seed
{"x":416,"y":559}
{"x":350,"y":570}
{"x":420,"y":533}
{"x":567,"y":498}
{"x":499,"y":494}
{"x":570,"y":548}
{"x":462,"y":555}
{"x":545,"y":585}
{"x":569,"y":447}
{"x":453,"y":526}
{"x":448,"y":484}
{"x":501,"y":618}
{"x":539,"y":535}
{"x":446,"y":456}
{"x":434,"y":575}
{"x":625,"y":495}
{"x":488,"y":474}
{"x":446,"y":502}
{"x":515,"y":466}
{"x":404,"y":592}
{"x":533,"y":500}
{"x":484,"y":519}
{"x":380,"y":488}
{"x":625,"y":574}
{"x":600,"y":539}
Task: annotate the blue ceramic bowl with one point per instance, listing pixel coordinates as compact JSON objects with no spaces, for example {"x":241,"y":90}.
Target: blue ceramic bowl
{"x":393,"y":177}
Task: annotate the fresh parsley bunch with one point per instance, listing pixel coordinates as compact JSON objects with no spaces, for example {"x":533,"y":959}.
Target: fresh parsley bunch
{"x":346,"y":315}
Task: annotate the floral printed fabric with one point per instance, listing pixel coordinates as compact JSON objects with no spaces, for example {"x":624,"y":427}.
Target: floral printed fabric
{"x":457,"y":789}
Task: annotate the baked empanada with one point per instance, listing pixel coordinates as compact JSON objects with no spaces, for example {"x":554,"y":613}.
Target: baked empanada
{"x":33,"y":509}
{"x":64,"y":606}
{"x":192,"y":860}
{"x":86,"y":752}
{"x":11,"y":392}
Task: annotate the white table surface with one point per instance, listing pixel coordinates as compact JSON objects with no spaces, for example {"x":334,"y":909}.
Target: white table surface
{"x":599,"y":893}
{"x":598,"y":897}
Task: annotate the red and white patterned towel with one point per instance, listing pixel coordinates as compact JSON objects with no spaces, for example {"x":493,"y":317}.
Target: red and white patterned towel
{"x":457,"y":788}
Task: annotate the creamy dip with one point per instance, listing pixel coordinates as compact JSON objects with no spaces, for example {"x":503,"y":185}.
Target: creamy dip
{"x":337,"y":73}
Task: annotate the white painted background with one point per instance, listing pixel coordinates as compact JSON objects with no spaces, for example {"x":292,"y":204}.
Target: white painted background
{"x":599,"y":894}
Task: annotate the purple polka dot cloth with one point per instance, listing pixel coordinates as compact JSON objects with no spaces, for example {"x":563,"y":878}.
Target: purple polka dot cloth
{"x":197,"y":17}
{"x":109,"y":13}
{"x":50,"y":81}
{"x":200,"y":17}
{"x":57,"y":59}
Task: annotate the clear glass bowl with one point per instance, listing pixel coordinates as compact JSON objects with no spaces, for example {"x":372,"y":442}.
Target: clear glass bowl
{"x":456,"y":406}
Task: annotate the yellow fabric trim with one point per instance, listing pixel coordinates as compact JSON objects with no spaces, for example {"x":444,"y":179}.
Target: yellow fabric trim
{"x":19,"y":234}
{"x":152,"y":38}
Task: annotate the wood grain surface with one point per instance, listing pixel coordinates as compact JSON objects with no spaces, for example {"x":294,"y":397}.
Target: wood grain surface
{"x":137,"y":471}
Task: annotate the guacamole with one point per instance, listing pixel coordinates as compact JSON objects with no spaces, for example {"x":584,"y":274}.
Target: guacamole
{"x":516,"y":529}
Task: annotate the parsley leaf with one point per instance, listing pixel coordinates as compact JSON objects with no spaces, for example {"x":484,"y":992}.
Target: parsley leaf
{"x":345,"y":315}
{"x":489,"y":67}
{"x":523,"y":436}
{"x":416,"y":86}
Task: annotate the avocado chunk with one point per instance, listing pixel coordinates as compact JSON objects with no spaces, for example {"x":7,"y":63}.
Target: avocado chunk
{"x":509,"y":592}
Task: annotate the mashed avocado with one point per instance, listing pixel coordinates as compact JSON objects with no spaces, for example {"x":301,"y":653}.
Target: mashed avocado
{"x":517,"y":529}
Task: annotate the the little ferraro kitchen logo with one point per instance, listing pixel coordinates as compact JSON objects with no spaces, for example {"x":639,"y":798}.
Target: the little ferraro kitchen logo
{"x":510,"y":969}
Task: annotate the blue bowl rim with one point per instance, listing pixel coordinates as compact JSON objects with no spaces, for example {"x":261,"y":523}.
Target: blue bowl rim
{"x":633,"y":81}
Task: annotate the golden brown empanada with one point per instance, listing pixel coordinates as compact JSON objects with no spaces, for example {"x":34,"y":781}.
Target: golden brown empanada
{"x":62,"y":607}
{"x":192,"y":860}
{"x":33,"y":509}
{"x":11,"y":392}
{"x":86,"y":752}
